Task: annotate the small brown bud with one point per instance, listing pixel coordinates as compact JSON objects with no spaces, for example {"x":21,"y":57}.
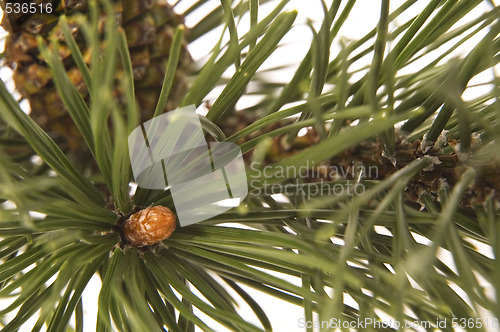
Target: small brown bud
{"x":149,"y":226}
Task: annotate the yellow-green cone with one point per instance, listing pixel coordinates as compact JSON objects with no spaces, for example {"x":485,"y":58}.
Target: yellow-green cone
{"x":149,"y":27}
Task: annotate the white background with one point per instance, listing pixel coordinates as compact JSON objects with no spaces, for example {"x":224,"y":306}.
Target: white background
{"x":364,"y":17}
